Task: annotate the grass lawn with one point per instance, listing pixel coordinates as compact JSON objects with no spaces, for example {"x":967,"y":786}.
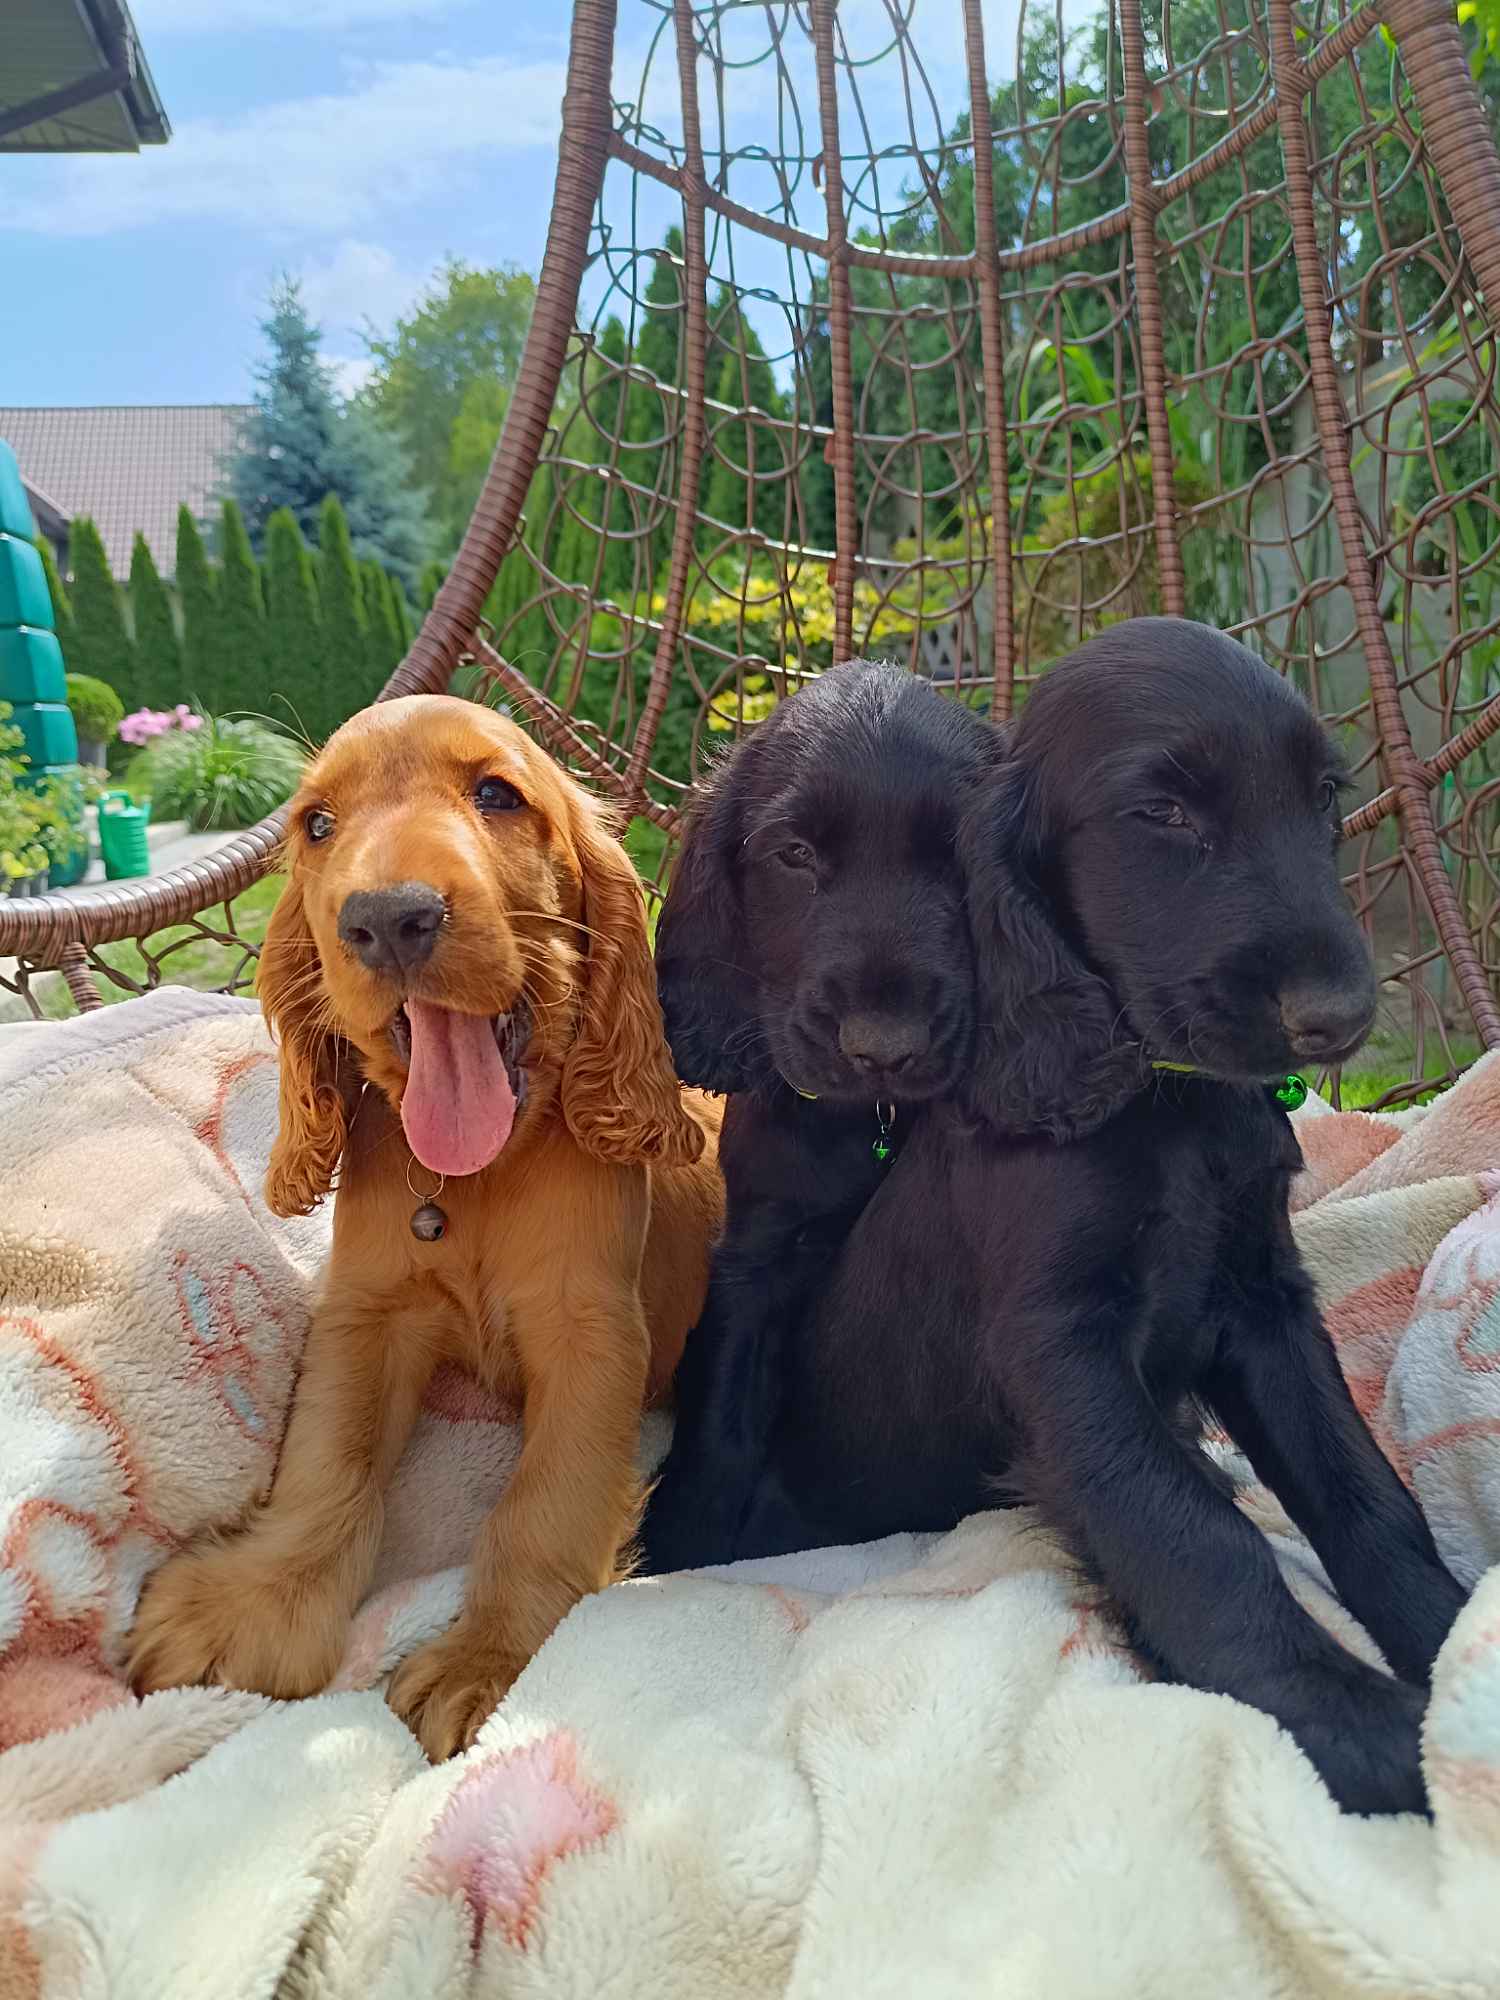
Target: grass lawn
{"x":186,"y":958}
{"x":1385,"y":1063}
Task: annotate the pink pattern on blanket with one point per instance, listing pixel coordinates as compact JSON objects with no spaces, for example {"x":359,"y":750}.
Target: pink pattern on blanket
{"x":510,"y":1820}
{"x":1335,"y":1149}
{"x":1367,"y":1325}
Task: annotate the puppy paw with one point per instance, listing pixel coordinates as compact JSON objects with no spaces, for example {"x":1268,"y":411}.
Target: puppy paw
{"x":216,"y":1613}
{"x":449,"y":1689}
{"x":1366,"y":1743}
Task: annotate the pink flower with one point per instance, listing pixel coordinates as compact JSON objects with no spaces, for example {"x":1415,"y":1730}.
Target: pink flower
{"x":148,"y":722}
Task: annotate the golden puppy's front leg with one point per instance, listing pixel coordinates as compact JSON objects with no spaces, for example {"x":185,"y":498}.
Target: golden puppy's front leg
{"x":268,"y":1606}
{"x":559,"y":1530}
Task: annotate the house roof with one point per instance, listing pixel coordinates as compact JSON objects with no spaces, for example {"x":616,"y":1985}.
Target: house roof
{"x":75,"y":80}
{"x":129,"y":467}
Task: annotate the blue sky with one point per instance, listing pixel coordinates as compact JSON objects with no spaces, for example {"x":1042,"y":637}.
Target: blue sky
{"x":354,"y":143}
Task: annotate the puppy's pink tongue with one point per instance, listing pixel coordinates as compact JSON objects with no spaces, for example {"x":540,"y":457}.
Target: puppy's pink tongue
{"x":458,"y":1106}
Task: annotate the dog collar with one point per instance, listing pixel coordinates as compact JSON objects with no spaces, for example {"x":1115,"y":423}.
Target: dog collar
{"x":885,"y":1118}
{"x":1290,"y":1091}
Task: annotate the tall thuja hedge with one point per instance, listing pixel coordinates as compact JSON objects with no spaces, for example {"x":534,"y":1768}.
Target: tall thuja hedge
{"x":384,"y":652}
{"x":294,"y":636}
{"x":525,"y":636}
{"x":346,"y":639}
{"x":648,"y":415}
{"x":158,"y":652}
{"x":591,"y":436}
{"x":744,"y":381}
{"x":243,"y":687}
{"x":400,"y":618}
{"x":197,"y":594}
{"x":62,"y":609}
{"x":101,"y":642}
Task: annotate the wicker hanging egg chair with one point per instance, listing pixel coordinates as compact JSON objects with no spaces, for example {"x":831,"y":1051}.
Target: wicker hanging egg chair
{"x":1197,"y":315}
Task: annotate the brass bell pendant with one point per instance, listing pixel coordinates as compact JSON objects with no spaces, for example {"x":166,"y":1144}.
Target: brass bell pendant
{"x":429,"y":1222}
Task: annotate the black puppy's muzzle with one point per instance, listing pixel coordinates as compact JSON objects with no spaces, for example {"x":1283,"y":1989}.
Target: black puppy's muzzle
{"x":866,"y":1049}
{"x":1325,"y":1021}
{"x":1276,"y":1003}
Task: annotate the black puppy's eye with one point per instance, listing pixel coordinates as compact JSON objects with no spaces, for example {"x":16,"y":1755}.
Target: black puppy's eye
{"x":796,"y":854}
{"x":317,"y":825}
{"x":493,"y":795}
{"x":1328,"y":795}
{"x":1163,"y":812}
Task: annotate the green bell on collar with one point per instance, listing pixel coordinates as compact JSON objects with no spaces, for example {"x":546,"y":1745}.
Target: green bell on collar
{"x":1290,"y":1091}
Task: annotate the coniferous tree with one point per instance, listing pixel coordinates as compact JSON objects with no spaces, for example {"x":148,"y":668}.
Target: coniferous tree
{"x":740,"y":446}
{"x":62,"y":609}
{"x":101,"y":641}
{"x":293,"y":631}
{"x":158,"y":651}
{"x":346,"y":639}
{"x":243,"y":687}
{"x":384,"y":643}
{"x":400,"y":618}
{"x":650,"y":416}
{"x":429,"y":584}
{"x":301,"y":443}
{"x":198,"y":596}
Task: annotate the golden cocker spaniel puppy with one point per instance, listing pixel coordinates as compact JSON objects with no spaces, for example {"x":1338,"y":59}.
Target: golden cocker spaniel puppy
{"x":459,"y":976}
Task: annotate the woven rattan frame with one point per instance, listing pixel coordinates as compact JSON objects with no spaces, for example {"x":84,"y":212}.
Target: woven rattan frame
{"x":1343,"y":517}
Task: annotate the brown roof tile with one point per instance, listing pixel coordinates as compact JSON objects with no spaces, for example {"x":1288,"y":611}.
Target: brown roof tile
{"x":128,"y":466}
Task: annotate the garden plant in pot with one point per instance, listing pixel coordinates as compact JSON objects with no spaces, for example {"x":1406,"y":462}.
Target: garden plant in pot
{"x":97,"y":714}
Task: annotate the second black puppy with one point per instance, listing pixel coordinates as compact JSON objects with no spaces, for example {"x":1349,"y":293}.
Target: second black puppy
{"x":1041,"y":1303}
{"x":814,"y":961}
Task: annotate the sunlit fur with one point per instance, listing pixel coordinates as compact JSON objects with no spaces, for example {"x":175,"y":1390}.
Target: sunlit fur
{"x":572,"y":1267}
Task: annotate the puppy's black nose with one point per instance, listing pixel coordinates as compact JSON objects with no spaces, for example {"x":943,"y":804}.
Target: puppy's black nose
{"x":1325,"y":1020}
{"x":882,"y":1044}
{"x":392,"y":930}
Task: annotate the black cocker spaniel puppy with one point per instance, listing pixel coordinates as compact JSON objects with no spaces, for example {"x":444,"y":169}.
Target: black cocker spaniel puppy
{"x":1086,"y":1244}
{"x":813,"y":959}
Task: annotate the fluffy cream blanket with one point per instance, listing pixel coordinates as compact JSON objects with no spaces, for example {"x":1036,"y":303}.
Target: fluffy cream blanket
{"x":915,"y":1769}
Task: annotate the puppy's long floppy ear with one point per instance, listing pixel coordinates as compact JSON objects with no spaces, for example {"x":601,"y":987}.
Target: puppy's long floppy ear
{"x":619,"y":1095}
{"x":707,"y":996}
{"x":1048,"y":1057}
{"x":317,"y":1087}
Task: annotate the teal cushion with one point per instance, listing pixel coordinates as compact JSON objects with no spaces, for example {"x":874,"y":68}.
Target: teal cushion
{"x":15,"y":508}
{"x":24,"y":598}
{"x":31,"y":666}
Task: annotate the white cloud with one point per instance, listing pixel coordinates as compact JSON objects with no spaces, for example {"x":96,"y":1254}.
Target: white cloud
{"x":351,"y":374}
{"x":308,"y":165}
{"x":206,"y":17}
{"x":358,"y":281}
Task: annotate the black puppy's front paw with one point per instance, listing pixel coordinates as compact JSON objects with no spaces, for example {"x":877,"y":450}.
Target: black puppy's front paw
{"x":1363,"y":1733}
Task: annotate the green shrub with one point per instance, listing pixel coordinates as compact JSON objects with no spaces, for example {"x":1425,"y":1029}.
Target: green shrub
{"x":21,"y":849}
{"x":226,"y":774}
{"x":96,"y":709}
{"x":58,"y":801}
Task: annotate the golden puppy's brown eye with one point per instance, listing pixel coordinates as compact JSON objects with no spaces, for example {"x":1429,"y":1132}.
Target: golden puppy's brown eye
{"x":493,"y":795}
{"x":317,"y":825}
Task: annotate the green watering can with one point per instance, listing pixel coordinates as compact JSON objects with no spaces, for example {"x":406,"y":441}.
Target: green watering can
{"x":122,"y":836}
